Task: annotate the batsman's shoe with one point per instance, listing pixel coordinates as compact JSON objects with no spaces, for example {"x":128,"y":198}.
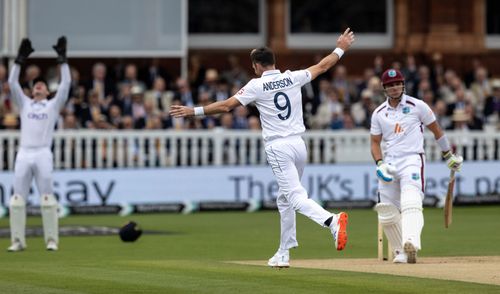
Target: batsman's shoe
{"x":339,"y":231}
{"x":16,"y":246}
{"x":280,"y":260}
{"x":52,"y":245}
{"x":400,"y":257}
{"x":411,"y":252}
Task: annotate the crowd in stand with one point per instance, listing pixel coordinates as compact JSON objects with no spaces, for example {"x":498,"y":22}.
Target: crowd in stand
{"x":134,"y":98}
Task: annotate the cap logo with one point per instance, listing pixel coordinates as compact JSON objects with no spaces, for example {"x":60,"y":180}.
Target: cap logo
{"x":391,"y":73}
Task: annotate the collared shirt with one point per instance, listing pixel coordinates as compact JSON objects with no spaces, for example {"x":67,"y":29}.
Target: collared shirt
{"x":38,"y":118}
{"x":402,"y":127}
{"x":278,"y":98}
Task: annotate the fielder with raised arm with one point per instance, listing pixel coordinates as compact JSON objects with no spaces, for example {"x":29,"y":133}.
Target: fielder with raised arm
{"x":278,"y":98}
{"x":34,"y":158}
{"x":400,"y":122}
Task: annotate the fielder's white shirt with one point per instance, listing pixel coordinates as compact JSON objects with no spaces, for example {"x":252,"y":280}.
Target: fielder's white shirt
{"x":279,"y":100}
{"x":38,"y":118}
{"x":402,"y":128}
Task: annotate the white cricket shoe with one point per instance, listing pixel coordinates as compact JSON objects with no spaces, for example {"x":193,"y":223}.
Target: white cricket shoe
{"x":339,"y":231}
{"x":280,"y":260}
{"x":400,"y":257}
{"x":411,"y":252}
{"x":52,"y":245}
{"x":16,"y":246}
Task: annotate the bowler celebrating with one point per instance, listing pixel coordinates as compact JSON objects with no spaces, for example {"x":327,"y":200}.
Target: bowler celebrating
{"x":278,"y":98}
{"x":34,"y":159}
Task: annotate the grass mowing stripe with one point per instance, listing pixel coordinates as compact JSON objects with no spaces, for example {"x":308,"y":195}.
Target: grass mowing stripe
{"x":190,"y":259}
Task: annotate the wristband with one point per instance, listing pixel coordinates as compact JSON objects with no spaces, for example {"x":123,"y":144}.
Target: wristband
{"x":378,"y":162}
{"x":198,"y":111}
{"x":339,"y":52}
{"x":444,"y":143}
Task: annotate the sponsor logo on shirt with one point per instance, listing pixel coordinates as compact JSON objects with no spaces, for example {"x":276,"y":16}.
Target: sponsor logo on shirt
{"x":406,"y":110}
{"x":398,"y":129}
{"x":415,"y":176}
{"x":37,"y":116}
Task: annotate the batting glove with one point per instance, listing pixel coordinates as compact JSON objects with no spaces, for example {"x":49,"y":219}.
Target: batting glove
{"x":385,"y":171}
{"x":25,"y":49}
{"x":453,"y":161}
{"x":60,"y":48}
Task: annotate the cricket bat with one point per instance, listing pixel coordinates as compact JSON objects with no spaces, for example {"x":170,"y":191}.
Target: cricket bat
{"x":448,"y":204}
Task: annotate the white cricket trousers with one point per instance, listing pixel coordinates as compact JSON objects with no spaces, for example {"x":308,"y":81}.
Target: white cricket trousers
{"x":410,"y":171}
{"x":287,"y":157}
{"x":406,"y":192}
{"x":37,"y":163}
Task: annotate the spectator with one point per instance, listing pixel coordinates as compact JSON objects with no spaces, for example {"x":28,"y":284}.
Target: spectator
{"x":348,"y":121}
{"x":428,"y":97}
{"x":461,"y":98}
{"x":196,"y":71}
{"x":410,"y":73}
{"x":222,"y":91}
{"x":492,"y":104}
{"x":440,"y":109}
{"x":464,"y":119}
{"x":226,"y":121}
{"x":378,"y":65}
{"x":70,"y":122}
{"x":361,"y":111}
{"x":91,"y":112}
{"x":124,"y":100}
{"x":328,"y":111}
{"x":480,"y":88}
{"x":138,"y":110}
{"x":99,"y":83}
{"x":184,"y":93}
{"x":346,"y":90}
{"x":236,"y":75}
{"x":254,"y":123}
{"x":130,"y":77}
{"x":158,"y":96}
{"x":240,"y":118}
{"x":10,"y":122}
{"x":210,"y":82}
{"x":153,"y":72}
{"x":115,"y":117}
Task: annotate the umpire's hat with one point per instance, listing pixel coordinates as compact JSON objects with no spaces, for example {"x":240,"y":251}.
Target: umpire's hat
{"x":130,"y":232}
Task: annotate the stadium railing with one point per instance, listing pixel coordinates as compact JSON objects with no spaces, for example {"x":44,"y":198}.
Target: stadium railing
{"x":94,"y":149}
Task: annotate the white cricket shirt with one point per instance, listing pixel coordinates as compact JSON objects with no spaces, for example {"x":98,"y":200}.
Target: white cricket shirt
{"x":402,"y":128}
{"x":38,"y":118}
{"x":279,"y":100}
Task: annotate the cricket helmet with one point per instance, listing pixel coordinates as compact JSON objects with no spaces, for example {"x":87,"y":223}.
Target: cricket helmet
{"x":392,"y":75}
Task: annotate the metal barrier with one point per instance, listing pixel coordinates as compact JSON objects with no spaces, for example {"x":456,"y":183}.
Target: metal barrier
{"x":92,"y":149}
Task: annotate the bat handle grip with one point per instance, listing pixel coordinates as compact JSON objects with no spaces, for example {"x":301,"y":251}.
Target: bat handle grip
{"x":452,"y":174}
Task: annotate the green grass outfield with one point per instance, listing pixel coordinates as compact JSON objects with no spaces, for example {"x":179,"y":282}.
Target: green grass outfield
{"x":191,"y":258}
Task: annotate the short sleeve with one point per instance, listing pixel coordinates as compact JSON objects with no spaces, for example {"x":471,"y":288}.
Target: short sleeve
{"x":301,"y":76}
{"x":425,"y":114}
{"x":375,"y":128}
{"x":247,"y":94}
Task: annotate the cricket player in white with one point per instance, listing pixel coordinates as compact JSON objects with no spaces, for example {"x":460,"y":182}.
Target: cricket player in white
{"x":278,"y":98}
{"x":400,"y":122}
{"x":34,"y":158}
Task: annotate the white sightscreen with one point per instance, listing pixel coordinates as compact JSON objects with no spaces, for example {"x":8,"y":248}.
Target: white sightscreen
{"x":109,"y":27}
